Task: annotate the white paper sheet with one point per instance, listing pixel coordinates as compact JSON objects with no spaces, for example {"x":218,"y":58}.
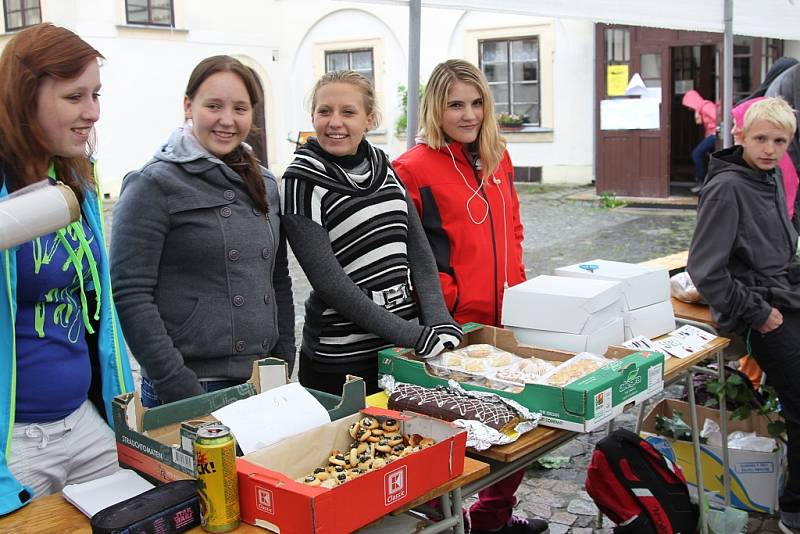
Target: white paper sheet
{"x":685,"y":341}
{"x":268,"y":417}
{"x":630,"y":114}
{"x":95,"y":495}
{"x":642,"y":343}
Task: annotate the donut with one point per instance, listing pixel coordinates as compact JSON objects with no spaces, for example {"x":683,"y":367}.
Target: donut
{"x":390,"y":425}
{"x":353,"y":457}
{"x":354,"y":429}
{"x":310,"y":480}
{"x":376,"y":432}
{"x":322,"y":475}
{"x":362,"y":447}
{"x":393,"y":439}
{"x":337,"y":459}
{"x":377,"y":463}
{"x":363,"y":434}
{"x":374,"y":438}
{"x":369,"y":422}
{"x":426,"y":442}
{"x":383,"y":446}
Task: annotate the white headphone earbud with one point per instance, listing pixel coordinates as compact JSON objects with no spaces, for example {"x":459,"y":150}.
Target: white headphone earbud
{"x":496,"y":180}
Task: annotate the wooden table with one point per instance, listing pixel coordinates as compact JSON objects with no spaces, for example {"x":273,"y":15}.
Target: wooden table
{"x":54,"y":514}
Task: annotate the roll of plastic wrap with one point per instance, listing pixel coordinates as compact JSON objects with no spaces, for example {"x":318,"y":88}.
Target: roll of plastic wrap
{"x":35,"y":211}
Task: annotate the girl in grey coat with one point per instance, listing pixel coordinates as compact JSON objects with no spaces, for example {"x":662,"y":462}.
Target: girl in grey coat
{"x":198,"y":256}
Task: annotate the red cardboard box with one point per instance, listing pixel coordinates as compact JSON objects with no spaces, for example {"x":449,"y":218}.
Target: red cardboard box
{"x":270,"y":497}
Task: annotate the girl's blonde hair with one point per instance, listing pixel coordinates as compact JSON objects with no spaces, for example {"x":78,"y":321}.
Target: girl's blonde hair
{"x":434,"y":103}
{"x":361,"y":82}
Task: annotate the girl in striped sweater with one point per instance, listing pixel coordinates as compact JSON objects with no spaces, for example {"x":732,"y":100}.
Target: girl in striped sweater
{"x":359,"y":240}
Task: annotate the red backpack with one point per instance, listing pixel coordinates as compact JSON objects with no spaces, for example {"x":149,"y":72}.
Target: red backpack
{"x":638,"y":488}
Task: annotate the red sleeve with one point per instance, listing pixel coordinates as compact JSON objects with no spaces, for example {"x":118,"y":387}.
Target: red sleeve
{"x":449,"y":288}
{"x":516,"y":219}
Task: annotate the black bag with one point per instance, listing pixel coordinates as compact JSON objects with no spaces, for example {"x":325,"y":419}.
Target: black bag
{"x":638,"y":488}
{"x":167,"y":509}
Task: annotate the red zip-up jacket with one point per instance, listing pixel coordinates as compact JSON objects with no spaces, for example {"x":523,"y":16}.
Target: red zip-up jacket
{"x":475,"y":261}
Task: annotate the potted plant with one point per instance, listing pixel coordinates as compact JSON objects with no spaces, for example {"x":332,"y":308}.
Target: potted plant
{"x":510,"y":121}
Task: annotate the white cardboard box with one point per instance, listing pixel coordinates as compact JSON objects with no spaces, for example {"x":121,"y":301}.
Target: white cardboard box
{"x":650,"y":321}
{"x":561,"y":304}
{"x":612,"y":333}
{"x":642,"y":285}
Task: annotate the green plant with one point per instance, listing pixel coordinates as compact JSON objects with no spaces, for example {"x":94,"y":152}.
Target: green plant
{"x":511,"y":119}
{"x":401,"y":124}
{"x":747,"y":400}
{"x":674,"y":427}
{"x":608,"y":200}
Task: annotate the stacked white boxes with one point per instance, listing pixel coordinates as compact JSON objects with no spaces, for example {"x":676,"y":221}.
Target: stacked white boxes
{"x":571,"y":314}
{"x":646,"y":305}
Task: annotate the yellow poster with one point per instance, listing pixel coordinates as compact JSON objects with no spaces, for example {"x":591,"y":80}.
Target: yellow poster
{"x":616,"y":79}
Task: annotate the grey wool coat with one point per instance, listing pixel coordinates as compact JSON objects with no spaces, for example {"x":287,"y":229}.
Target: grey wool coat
{"x":200,"y":275}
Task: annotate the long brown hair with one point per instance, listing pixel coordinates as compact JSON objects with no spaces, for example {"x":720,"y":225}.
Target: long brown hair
{"x":29,"y":57}
{"x":241,"y":160}
{"x":434,"y":103}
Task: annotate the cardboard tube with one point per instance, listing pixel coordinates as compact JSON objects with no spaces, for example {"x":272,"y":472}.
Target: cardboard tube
{"x":28,"y":214}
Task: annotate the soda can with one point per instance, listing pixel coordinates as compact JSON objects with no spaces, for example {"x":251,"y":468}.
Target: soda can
{"x":217,"y":486}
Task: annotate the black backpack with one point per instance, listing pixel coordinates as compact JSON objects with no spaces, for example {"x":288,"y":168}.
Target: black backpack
{"x":638,"y":488}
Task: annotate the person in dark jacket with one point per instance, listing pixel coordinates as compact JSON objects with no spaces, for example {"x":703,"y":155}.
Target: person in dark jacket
{"x":743,"y":260}
{"x":358,"y":238}
{"x":198,"y":255}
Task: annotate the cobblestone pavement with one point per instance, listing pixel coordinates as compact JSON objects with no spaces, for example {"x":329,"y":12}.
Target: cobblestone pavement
{"x":560,"y":231}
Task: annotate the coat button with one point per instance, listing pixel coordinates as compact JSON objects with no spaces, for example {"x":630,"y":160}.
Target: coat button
{"x":240,"y":345}
{"x":266,"y":299}
{"x":265,"y":344}
{"x":233,"y":254}
{"x":238,"y":300}
{"x":229,"y":194}
{"x":265,"y":252}
{"x":225,"y":211}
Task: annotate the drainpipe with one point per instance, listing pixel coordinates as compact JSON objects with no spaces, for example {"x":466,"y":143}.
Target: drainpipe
{"x":727,"y":76}
{"x":414,"y":16}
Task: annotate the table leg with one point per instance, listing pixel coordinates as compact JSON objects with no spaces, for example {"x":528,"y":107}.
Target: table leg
{"x":698,"y":467}
{"x":451,"y":509}
{"x":723,"y":428}
{"x":457,"y":511}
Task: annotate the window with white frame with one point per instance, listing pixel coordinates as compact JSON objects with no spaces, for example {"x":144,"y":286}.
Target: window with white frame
{"x":21,"y":13}
{"x":150,"y":12}
{"x":512,"y":68}
{"x":359,"y":60}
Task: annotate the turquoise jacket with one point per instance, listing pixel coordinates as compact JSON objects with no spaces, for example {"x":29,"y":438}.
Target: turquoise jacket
{"x":114,"y":364}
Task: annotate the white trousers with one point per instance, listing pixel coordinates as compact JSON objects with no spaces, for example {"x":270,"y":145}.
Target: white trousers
{"x":48,"y":456}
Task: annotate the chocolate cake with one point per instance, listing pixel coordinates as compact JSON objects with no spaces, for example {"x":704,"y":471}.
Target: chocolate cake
{"x":449,"y":406}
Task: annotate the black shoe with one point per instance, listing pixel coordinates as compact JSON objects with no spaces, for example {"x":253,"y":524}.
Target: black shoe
{"x":519,"y":525}
{"x":787,"y":529}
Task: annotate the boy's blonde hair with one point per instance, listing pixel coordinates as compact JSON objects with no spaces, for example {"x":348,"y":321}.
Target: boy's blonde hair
{"x":434,"y":103}
{"x":773,"y":110}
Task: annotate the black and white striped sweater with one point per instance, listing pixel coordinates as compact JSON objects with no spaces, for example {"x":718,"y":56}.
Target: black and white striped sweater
{"x":354,"y":232}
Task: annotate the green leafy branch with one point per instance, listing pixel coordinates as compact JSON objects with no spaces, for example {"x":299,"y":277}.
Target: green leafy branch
{"x":741,"y":395}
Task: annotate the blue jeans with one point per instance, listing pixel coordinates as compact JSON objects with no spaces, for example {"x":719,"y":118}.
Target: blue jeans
{"x":703,"y":148}
{"x":150,"y":398}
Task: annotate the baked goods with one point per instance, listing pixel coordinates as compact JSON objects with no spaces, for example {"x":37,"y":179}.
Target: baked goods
{"x":365,"y":454}
{"x":476,"y":365}
{"x":479,"y":350}
{"x":452,"y":359}
{"x":573,"y":369}
{"x":525,"y":371}
{"x":450,"y":405}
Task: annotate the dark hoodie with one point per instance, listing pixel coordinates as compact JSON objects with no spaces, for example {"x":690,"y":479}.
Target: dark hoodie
{"x":742,"y":257}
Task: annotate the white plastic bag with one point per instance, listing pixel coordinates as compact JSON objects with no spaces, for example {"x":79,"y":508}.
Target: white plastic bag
{"x":682,"y":288}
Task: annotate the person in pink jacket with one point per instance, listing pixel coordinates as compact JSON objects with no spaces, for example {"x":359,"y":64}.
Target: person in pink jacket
{"x":705,"y":113}
{"x":788,"y":170}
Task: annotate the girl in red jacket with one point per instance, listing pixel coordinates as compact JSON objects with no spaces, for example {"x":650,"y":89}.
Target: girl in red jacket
{"x":461,"y":181}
